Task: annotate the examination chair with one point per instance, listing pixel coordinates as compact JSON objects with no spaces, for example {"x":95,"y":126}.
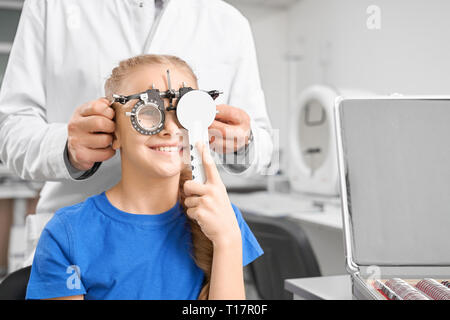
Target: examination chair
{"x":287,"y":254}
{"x":14,"y":286}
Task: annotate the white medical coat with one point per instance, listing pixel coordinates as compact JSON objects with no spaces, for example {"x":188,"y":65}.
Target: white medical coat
{"x":65,"y":50}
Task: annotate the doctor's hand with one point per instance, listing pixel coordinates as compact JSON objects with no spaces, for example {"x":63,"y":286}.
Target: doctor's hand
{"x":210,"y":206}
{"x":230,"y":130}
{"x":90,"y":134}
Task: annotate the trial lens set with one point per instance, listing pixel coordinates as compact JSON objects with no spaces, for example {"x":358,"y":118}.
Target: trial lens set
{"x":425,"y":289}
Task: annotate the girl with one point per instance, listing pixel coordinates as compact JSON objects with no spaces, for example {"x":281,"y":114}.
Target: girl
{"x":156,"y":234}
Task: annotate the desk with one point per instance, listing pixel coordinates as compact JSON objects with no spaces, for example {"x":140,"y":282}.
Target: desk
{"x":322,"y":227}
{"x":320,"y":288}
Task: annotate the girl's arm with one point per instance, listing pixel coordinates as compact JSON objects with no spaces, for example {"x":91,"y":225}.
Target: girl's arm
{"x":227,"y":275}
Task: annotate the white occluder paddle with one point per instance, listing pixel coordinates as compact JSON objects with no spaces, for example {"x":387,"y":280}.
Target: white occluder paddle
{"x":196,"y":111}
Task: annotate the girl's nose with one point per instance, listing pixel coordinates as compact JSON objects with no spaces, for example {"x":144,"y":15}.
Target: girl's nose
{"x":171,"y":125}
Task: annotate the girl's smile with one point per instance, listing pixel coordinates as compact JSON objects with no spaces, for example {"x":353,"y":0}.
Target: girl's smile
{"x":168,"y":149}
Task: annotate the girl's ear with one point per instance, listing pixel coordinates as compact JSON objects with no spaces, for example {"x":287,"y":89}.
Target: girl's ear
{"x":115,"y":142}
{"x":116,"y":138}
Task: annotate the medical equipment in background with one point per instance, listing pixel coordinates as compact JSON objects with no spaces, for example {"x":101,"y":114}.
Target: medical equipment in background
{"x":195,"y":111}
{"x":393,"y":169}
{"x":312,"y":151}
{"x":312,"y":165}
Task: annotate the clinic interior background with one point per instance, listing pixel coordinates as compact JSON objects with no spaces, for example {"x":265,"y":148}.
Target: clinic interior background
{"x":299,"y":43}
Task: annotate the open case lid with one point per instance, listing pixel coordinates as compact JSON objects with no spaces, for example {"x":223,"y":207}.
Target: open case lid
{"x":394,"y":164}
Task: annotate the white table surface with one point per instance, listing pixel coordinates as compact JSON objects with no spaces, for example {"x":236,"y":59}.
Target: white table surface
{"x":321,"y":288}
{"x":288,"y":205}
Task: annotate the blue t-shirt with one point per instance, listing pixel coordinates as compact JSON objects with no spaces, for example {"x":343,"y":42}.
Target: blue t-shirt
{"x":93,"y":248}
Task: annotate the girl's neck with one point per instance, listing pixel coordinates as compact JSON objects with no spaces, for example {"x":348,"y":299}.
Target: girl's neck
{"x":140,"y":194}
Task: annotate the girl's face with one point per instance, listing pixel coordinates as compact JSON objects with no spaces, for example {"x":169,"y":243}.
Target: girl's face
{"x":144,"y":152}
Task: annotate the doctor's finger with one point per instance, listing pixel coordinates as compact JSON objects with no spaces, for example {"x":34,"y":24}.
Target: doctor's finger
{"x":218,"y":128}
{"x":102,"y":154}
{"x":191,"y":188}
{"x":222,"y":146}
{"x":229,"y":131}
{"x":99,"y":107}
{"x":87,"y":155}
{"x":97,"y":123}
{"x":228,"y":114}
{"x":98,"y":140}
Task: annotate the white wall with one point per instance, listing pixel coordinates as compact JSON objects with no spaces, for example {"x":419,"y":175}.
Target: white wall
{"x":409,"y":54}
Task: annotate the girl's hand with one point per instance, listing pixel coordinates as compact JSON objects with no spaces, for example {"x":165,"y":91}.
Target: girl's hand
{"x":210,"y":206}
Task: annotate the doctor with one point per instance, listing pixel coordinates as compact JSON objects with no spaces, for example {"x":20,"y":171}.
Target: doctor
{"x":54,"y":125}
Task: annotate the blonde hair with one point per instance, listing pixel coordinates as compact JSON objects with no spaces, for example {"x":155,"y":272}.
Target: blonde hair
{"x":202,"y":252}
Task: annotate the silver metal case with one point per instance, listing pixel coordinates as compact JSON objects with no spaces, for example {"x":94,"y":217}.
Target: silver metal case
{"x":394,"y":169}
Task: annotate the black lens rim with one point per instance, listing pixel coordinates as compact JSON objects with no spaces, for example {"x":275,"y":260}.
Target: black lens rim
{"x":135,"y":123}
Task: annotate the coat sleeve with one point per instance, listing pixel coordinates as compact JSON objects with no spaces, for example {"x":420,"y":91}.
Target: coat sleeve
{"x":30,"y":146}
{"x":247,"y":94}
